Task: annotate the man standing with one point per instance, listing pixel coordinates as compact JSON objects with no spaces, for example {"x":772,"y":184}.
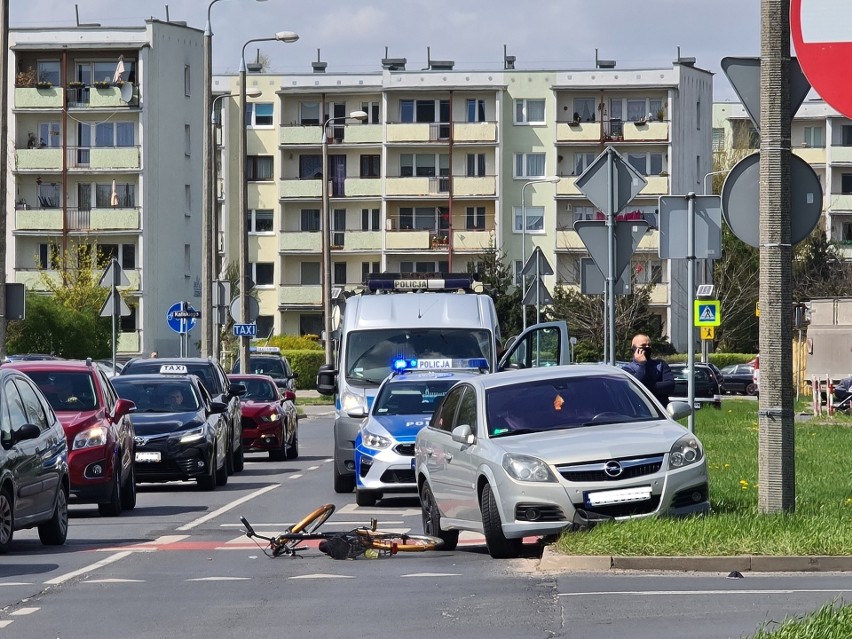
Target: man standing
{"x":655,"y":374}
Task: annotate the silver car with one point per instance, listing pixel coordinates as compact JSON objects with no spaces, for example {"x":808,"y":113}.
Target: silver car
{"x":531,"y":452}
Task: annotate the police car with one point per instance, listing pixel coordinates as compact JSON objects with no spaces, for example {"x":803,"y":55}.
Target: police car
{"x":406,"y":399}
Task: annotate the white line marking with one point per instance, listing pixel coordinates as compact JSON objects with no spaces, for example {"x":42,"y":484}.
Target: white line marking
{"x":320,"y":575}
{"x":432,"y":574}
{"x":23,"y":611}
{"x":227,"y":507}
{"x":16,"y":583}
{"x":220,"y":579}
{"x":668,"y":593}
{"x":6,"y":622}
{"x":90,"y":568}
{"x":165,"y":540}
{"x":114,"y":581}
{"x":313,"y":468}
{"x":352,"y":509}
{"x":296,"y":476}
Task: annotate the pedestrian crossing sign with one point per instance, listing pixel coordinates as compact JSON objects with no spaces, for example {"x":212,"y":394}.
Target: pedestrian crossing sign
{"x":707,"y":313}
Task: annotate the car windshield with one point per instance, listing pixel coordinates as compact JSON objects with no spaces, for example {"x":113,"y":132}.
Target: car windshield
{"x":272,"y":366}
{"x":258,"y":390}
{"x":569,"y":402}
{"x":66,"y":390}
{"x":411,"y":398}
{"x":202,"y":371}
{"x":369,"y":354}
{"x":160,"y":396}
{"x":680,"y":374}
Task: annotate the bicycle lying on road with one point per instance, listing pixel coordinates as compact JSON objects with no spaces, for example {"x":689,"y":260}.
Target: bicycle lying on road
{"x":364,"y":541}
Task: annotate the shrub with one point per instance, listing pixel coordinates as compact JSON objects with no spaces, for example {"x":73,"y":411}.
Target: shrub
{"x":719,"y":359}
{"x":306,"y":364}
{"x":295,"y":343}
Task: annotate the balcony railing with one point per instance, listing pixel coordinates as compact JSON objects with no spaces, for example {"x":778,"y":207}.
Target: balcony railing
{"x":102,"y":96}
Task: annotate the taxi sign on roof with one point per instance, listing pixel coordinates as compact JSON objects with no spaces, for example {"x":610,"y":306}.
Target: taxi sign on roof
{"x":173,"y":369}
{"x":265,"y":349}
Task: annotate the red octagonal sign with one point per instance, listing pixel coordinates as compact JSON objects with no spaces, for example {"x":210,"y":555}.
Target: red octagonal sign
{"x":822,"y":36}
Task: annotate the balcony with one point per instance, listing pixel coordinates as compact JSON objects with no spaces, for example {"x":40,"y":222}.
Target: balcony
{"x":300,"y":295}
{"x":360,"y":240}
{"x":110,"y":157}
{"x":102,"y":98}
{"x":651,"y":131}
{"x":650,"y":241}
{"x":657,"y":185}
{"x":33,"y":279}
{"x":113,"y":219}
{"x":659,"y":295}
{"x":298,"y":188}
{"x":811,"y":155}
{"x":45,"y":159}
{"x":839,"y":202}
{"x":579,"y":132}
{"x":300,"y":135}
{"x":362,"y":134}
{"x":475,"y":132}
{"x":841,"y":154}
{"x":363,"y":187}
{"x":464,"y":186}
{"x":300,"y":241}
{"x":416,"y":186}
{"x":129,"y":342}
{"x":312,"y":134}
{"x":32,"y":98}
{"x":38,"y":220}
{"x":408,"y":240}
{"x":569,"y":240}
{"x":472,"y":240}
{"x":568,"y":186}
{"x":418,"y":132}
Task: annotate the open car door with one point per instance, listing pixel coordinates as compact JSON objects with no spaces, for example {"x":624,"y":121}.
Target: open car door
{"x":544,"y":344}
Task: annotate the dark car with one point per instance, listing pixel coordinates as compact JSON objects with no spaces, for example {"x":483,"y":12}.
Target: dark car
{"x":708,"y":390}
{"x":181,"y":433}
{"x":739,"y":378}
{"x":215,"y":381}
{"x":99,"y":432}
{"x":34,"y":482}
{"x":268,"y":360}
{"x":270,"y":422}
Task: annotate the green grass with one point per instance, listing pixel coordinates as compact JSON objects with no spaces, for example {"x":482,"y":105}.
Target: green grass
{"x":820,"y":525}
{"x":831,"y":621}
{"x":313,"y":401}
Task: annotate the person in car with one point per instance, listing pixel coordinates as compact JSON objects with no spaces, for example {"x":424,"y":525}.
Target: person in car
{"x":174,"y":400}
{"x":654,"y":374}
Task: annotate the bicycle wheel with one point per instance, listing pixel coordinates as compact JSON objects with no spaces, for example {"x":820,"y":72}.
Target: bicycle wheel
{"x":400,"y":542}
{"x":310,"y":523}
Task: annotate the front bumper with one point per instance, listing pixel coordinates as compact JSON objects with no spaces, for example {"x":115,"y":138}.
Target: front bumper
{"x":388,"y":470}
{"x":345,"y":431}
{"x":91,"y":473}
{"x":264,"y":436}
{"x":176,"y":460}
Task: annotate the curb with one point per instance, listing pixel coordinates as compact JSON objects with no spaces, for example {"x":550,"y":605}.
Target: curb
{"x":554,"y":561}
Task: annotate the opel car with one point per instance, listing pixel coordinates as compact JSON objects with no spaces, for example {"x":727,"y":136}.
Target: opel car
{"x":532,"y":452}
{"x":270,"y":422}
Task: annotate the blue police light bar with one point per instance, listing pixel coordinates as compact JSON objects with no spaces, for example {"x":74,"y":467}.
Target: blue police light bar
{"x":446,"y":363}
{"x":420,"y":281}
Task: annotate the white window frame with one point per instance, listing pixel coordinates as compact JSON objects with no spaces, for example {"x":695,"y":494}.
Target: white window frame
{"x":251,"y":116}
{"x":252,"y":221}
{"x":535,"y":219}
{"x":522,"y":111}
{"x":254,"y":277}
{"x":521,"y":162}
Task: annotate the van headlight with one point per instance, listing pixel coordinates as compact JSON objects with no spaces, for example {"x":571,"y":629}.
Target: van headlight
{"x":350,"y":401}
{"x":686,"y":451}
{"x":527,"y":468}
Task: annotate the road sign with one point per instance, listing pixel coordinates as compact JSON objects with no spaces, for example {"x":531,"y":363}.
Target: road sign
{"x":822,"y":36}
{"x":674,"y":227}
{"x":741,"y":199}
{"x":708,"y":332}
{"x":595,"y":184}
{"x":245,"y":330}
{"x":253,"y":310}
{"x":757,"y":309}
{"x":180,"y":324}
{"x":186,"y":314}
{"x":107,"y":308}
{"x":707,"y":313}
{"x":537,"y":294}
{"x":109,"y":277}
{"x":627,"y":237}
{"x":592,"y":281}
{"x":537,"y":264}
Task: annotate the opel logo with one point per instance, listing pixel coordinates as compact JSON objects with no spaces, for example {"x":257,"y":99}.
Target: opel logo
{"x":612,"y":468}
{"x":141,"y":441}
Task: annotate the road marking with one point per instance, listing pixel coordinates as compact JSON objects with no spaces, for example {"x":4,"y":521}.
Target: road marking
{"x":114,"y":581}
{"x":352,"y":509}
{"x":23,"y":611}
{"x":313,"y":468}
{"x":321,"y":575}
{"x":228,"y":507}
{"x":296,"y":476}
{"x":16,"y":583}
{"x":432,"y":574}
{"x":6,"y":622}
{"x":90,"y":568}
{"x":668,"y":593}
{"x":220,"y":579}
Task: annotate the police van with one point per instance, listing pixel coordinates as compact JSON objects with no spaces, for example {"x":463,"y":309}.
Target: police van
{"x":433,"y":316}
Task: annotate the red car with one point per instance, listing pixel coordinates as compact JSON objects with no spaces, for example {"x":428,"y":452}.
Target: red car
{"x":269,"y":420}
{"x":99,"y":432}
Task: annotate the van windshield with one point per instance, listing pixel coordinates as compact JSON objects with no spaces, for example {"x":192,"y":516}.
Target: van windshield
{"x":369,"y":354}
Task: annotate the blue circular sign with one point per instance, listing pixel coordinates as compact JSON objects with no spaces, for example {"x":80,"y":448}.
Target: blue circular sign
{"x":181,"y":324}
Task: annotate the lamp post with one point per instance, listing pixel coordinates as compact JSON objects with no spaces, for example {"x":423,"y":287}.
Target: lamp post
{"x":550,"y":180}
{"x":4,"y":128}
{"x":325,"y":228}
{"x":208,"y":233}
{"x":707,"y":175}
{"x":281,"y":36}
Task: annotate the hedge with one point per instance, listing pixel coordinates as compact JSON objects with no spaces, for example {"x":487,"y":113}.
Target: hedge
{"x":719,"y":359}
{"x":306,"y":364}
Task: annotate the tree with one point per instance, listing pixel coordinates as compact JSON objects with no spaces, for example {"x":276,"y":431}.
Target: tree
{"x":819,"y":270}
{"x":498,"y":282}
{"x":737,"y":280}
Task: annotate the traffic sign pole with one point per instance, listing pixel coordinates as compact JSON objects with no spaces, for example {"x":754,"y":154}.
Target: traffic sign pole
{"x":610,"y":277}
{"x":690,"y":328}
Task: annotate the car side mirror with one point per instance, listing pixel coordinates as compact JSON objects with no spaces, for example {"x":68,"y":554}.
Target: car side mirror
{"x":295,"y":375}
{"x":25,"y":432}
{"x":463,"y":434}
{"x":236,"y":390}
{"x":218,"y":407}
{"x":289,"y":395}
{"x":678,"y":410}
{"x":326,"y":380}
{"x":122,"y":408}
{"x":359,"y":412}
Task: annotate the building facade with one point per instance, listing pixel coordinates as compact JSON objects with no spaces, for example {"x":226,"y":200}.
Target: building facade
{"x":105,"y":150}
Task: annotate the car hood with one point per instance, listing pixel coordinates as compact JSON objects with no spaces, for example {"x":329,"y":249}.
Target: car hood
{"x":161,"y":423}
{"x":75,"y":421}
{"x":595,"y":443}
{"x":400,"y":427}
{"x":252,"y":409}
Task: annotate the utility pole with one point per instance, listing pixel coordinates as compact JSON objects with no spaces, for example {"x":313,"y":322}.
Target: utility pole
{"x":4,"y":169}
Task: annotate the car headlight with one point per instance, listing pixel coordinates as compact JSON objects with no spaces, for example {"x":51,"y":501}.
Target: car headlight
{"x":526,"y":468}
{"x":193,"y":435}
{"x":272,"y":417}
{"x":374,"y":440}
{"x":687,"y":450}
{"x":350,"y":401}
{"x":96,"y":436}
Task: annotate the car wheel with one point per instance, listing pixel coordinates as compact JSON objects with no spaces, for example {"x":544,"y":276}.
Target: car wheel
{"x":751,"y":390}
{"x":293,"y":449}
{"x":112,"y":508}
{"x":222,"y":474}
{"x":54,"y":531}
{"x":367,"y":498}
{"x":7,"y":520}
{"x":128,"y":492}
{"x":239,"y":459}
{"x":432,"y":520}
{"x":229,"y":455}
{"x":208,"y":480}
{"x":280,"y":453}
{"x":498,"y":546}
{"x":343,"y":483}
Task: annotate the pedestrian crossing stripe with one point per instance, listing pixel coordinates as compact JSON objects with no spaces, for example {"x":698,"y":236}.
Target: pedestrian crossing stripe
{"x":707,"y":313}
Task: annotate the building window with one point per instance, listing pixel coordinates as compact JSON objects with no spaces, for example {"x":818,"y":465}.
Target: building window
{"x":310,"y":167}
{"x":187,"y":141}
{"x":846,"y":183}
{"x":718,"y":139}
{"x":475,"y":110}
{"x":815,"y":137}
{"x":259,"y":114}
{"x":310,"y":324}
{"x":744,"y":135}
{"x":187,"y":199}
{"x":638,"y":161}
{"x":519,"y":266}
{"x":475,"y":218}
{"x":309,"y":113}
{"x":263,"y":273}
{"x":475,"y":164}
{"x":529,"y":165}
{"x":43,"y":259}
{"x":187,"y":260}
{"x":845,"y":233}
{"x":260,"y":221}
{"x":48,"y":71}
{"x":338,"y":273}
{"x":441,"y":266}
{"x":265,"y":325}
{"x":372,"y":111}
{"x":186,"y":82}
{"x":584,"y":109}
{"x":535,"y":218}
{"x":529,"y":111}
{"x":127,"y":324}
{"x":128,"y":256}
{"x":125,"y":196}
{"x":846,"y":135}
{"x":371,"y":166}
{"x":310,"y":220}
{"x":370,"y":219}
{"x":369,"y":267}
{"x":582,"y":161}
{"x":259,"y":168}
{"x":124,"y":253}
{"x":698,"y":115}
{"x":310,"y":273}
{"x":48,"y":136}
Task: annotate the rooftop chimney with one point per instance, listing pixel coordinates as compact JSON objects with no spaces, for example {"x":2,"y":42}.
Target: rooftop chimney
{"x":393,"y":64}
{"x":438,"y":65}
{"x":508,"y":60}
{"x":319,"y":66}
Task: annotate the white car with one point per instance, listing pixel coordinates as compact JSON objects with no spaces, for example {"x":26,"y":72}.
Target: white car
{"x":531,"y":452}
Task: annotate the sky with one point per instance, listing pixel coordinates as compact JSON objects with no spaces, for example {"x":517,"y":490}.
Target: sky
{"x":352,"y":37}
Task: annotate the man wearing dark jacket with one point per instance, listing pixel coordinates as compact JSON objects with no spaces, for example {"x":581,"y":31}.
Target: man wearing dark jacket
{"x":655,"y":374}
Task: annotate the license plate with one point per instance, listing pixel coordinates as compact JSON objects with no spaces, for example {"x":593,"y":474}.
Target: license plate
{"x":145,"y":456}
{"x":620,"y":496}
{"x":413,"y":464}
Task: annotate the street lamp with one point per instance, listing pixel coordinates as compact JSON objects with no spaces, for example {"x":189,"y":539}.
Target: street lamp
{"x":208,"y":233}
{"x":281,"y":36}
{"x":707,"y":175}
{"x":325,"y":227}
{"x":549,"y":180}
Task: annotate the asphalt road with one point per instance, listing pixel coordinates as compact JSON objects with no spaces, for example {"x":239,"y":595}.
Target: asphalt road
{"x":178,"y":565}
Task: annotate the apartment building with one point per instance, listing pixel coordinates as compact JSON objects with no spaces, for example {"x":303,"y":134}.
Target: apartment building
{"x":105,"y":149}
{"x":435,"y":174}
{"x":822,"y":137}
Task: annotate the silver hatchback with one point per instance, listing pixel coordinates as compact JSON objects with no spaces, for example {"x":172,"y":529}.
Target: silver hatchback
{"x":527,"y":453}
